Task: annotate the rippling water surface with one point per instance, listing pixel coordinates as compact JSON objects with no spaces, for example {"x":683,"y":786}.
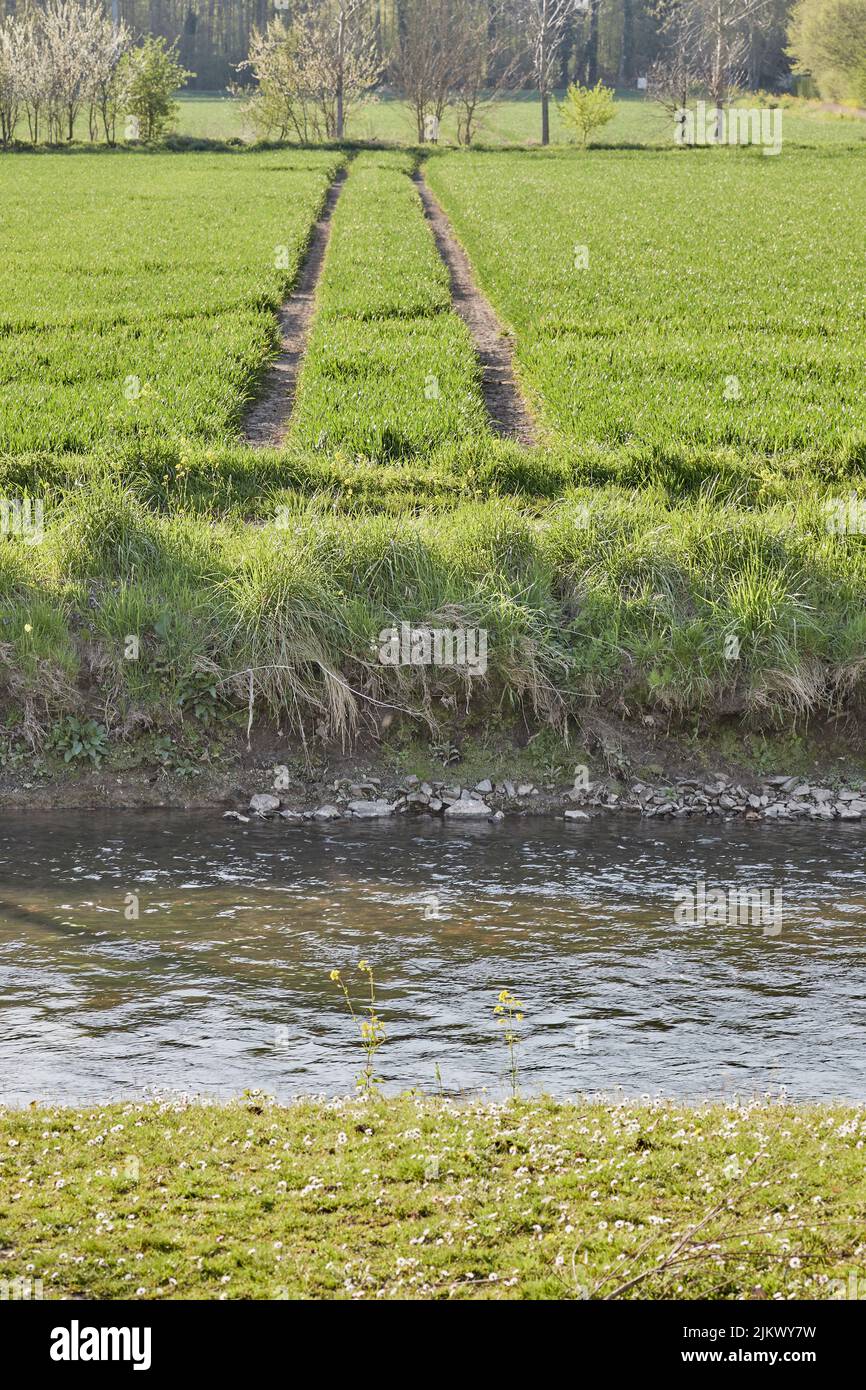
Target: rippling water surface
{"x":222,"y":982}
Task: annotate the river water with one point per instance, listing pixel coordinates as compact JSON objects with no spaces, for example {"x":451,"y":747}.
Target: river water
{"x":220,"y":984}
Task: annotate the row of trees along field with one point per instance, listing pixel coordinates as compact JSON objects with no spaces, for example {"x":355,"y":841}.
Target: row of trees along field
{"x":612,"y":40}
{"x":307,"y":62}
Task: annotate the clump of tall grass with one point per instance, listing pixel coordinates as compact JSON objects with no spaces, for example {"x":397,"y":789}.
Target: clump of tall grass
{"x":603,"y":595}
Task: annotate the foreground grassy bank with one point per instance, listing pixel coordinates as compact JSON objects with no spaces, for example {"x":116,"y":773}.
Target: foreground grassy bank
{"x":418,"y":1198}
{"x":699,"y":609}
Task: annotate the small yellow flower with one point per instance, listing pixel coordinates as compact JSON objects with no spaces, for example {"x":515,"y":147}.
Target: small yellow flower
{"x":334,"y":975}
{"x":364,"y":965}
{"x":28,"y":627}
{"x":503,"y":996}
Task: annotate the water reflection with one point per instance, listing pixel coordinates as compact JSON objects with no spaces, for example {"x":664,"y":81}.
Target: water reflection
{"x":221,"y":983}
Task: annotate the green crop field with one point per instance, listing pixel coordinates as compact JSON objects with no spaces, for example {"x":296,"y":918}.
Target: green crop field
{"x":138,"y":292}
{"x":714,"y":312}
{"x":698,"y":389}
{"x":390,"y":369}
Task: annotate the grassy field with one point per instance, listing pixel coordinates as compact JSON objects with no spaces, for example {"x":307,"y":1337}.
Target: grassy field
{"x":390,"y":370}
{"x":416,"y":1198}
{"x":138,"y":292}
{"x":512,"y":121}
{"x":663,"y":517}
{"x":724,"y":348}
{"x":713,"y":315}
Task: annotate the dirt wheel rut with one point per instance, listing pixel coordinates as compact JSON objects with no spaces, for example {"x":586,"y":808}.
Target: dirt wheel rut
{"x":506,"y":407}
{"x":268,"y":420}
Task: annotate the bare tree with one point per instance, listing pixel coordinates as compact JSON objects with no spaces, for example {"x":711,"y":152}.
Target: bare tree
{"x":312,"y":69}
{"x":486,"y":61}
{"x":425,"y":62}
{"x":707,"y":48}
{"x":720,"y":45}
{"x":671,"y":81}
{"x":354,"y":54}
{"x":674,"y":76}
{"x":547,"y":21}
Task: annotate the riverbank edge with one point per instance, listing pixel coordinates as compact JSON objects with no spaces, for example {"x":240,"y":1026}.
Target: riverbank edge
{"x":629,"y":776}
{"x":414,"y":1196}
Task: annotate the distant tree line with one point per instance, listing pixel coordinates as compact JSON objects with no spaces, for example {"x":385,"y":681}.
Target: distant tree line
{"x":615,"y":41}
{"x":305,"y":64}
{"x":313,"y":61}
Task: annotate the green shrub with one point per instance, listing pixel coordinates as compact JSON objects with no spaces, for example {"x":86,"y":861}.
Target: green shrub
{"x":151,"y":77}
{"x":586,"y":109}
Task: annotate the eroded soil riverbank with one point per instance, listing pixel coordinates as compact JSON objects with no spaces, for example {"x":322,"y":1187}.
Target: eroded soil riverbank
{"x":607,"y":769}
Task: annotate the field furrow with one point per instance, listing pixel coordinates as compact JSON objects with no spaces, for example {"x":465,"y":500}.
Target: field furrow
{"x":505,"y":404}
{"x":268,"y":420}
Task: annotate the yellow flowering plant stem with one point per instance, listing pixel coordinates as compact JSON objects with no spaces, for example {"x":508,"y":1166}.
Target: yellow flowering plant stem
{"x":509,"y":1013}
